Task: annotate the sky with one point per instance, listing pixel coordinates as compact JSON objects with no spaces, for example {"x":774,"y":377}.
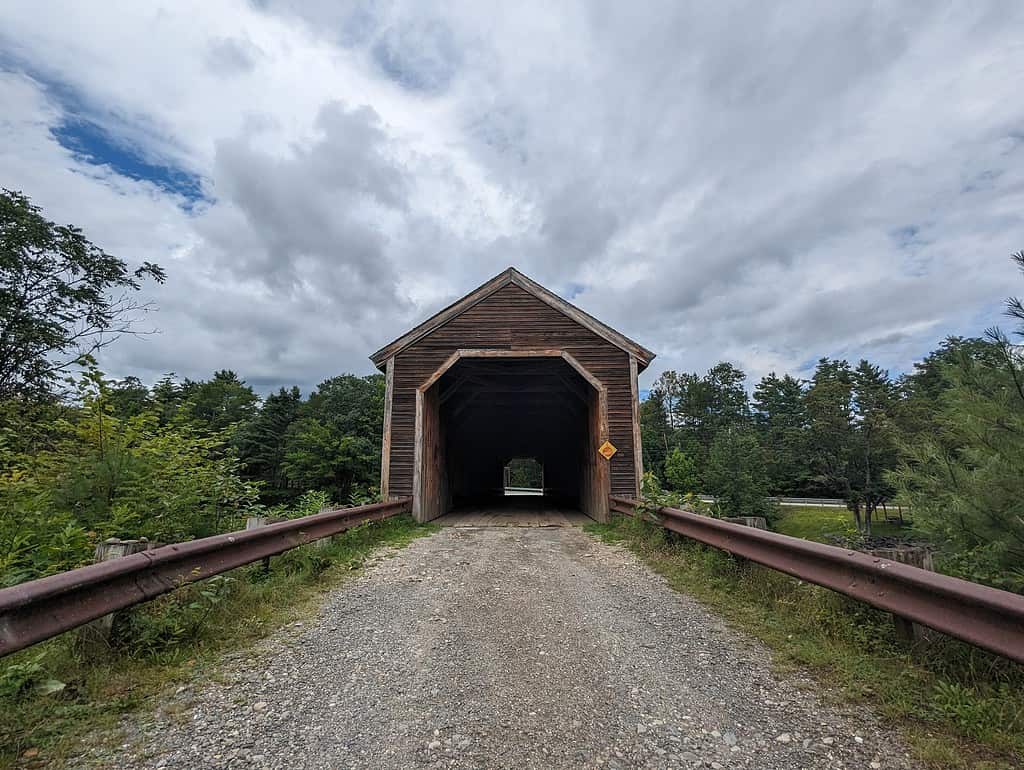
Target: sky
{"x":762,"y":183}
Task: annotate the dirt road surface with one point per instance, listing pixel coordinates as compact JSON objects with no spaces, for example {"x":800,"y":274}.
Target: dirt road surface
{"x":506,"y":648}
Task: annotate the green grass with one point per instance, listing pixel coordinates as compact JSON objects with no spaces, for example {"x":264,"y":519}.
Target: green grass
{"x":176,"y":638}
{"x":818,"y":523}
{"x":959,"y":707}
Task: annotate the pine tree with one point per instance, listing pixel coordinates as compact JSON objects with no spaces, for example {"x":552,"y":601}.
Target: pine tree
{"x":261,"y":444}
{"x":781,"y":418}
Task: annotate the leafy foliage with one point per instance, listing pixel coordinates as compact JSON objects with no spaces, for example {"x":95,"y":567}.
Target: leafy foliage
{"x":681,"y":472}
{"x":105,"y":476}
{"x":736,"y":475}
{"x":62,"y":298}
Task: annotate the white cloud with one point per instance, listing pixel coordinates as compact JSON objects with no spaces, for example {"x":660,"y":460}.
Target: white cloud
{"x":764,"y":183}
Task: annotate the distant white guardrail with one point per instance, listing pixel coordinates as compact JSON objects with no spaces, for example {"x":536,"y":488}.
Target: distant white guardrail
{"x":818,"y":502}
{"x":524,"y":492}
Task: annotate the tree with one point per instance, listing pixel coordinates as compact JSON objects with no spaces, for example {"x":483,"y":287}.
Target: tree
{"x":655,"y":432}
{"x":965,"y":481}
{"x":667,"y":390}
{"x":681,"y":472}
{"x":129,"y":397}
{"x":921,"y":390}
{"x":735,"y":474}
{"x":61,"y":298}
{"x":780,"y":415}
{"x":525,"y":472}
{"x":220,"y":402}
{"x":335,"y":443}
{"x":727,"y":403}
{"x":167,"y":398}
{"x":874,"y":450}
{"x":829,"y":401}
{"x":261,"y":444}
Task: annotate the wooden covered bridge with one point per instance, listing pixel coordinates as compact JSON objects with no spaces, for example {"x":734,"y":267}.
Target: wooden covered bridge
{"x":511,"y":370}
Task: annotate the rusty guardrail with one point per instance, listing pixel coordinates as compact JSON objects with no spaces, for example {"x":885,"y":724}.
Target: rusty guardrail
{"x":982,"y":616}
{"x":36,"y":610}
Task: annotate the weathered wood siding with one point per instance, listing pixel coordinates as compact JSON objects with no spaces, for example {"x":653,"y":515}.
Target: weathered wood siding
{"x":512,"y":319}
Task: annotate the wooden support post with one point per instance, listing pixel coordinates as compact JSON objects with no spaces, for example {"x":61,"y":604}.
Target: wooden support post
{"x":95,"y":636}
{"x":385,"y":449}
{"x":638,"y":449}
{"x":915,"y":556}
{"x":255,"y":522}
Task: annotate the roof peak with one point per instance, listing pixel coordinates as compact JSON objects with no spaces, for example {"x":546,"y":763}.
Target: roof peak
{"x":512,"y":276}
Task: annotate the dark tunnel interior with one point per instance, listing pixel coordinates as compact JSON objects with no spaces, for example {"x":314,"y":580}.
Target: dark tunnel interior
{"x":492,"y":410}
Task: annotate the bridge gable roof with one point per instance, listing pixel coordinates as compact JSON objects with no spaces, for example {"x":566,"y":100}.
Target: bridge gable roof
{"x":511,"y":276}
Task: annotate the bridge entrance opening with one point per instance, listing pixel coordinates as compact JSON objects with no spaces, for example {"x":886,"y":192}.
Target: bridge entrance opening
{"x":500,"y":430}
{"x":524,"y":477}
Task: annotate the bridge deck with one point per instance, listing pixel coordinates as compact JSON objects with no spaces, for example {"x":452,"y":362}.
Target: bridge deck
{"x":514,"y":511}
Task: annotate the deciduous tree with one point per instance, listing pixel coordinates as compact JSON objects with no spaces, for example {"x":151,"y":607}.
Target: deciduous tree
{"x":62,"y":298}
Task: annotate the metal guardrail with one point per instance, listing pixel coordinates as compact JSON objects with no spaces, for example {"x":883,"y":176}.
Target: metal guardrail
{"x":36,"y":610}
{"x":982,"y":616}
{"x":814,"y":502}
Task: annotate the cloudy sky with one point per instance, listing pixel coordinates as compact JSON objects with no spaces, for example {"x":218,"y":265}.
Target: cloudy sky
{"x":765,"y":183}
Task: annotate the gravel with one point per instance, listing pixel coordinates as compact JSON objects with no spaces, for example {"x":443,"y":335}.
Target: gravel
{"x":505,"y":647}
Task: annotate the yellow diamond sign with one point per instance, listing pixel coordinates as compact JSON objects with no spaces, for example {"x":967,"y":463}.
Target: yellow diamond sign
{"x":606,"y":450}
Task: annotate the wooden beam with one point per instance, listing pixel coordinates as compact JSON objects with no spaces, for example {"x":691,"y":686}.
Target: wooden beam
{"x":439,"y":372}
{"x":417,"y":462}
{"x":638,"y":450}
{"x":385,"y":450}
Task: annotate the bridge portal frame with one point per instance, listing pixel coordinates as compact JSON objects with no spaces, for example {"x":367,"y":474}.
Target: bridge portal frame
{"x":427,"y":499}
{"x":510,"y":317}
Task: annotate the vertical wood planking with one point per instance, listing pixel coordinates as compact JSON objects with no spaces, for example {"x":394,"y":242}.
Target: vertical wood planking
{"x":513,"y":319}
{"x":638,"y":449}
{"x":385,"y":452}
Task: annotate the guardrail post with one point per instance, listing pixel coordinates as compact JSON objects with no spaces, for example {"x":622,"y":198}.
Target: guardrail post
{"x":255,"y":522}
{"x":325,"y":542}
{"x":757,"y":522}
{"x":915,"y":556}
{"x":96,"y":634}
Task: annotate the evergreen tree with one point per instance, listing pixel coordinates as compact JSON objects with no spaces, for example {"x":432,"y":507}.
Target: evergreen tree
{"x":335,"y":442}
{"x":874,"y":451}
{"x":829,"y":401}
{"x":220,"y":402}
{"x":782,"y":421}
{"x":965,"y":480}
{"x":261,"y":444}
{"x":735,"y":474}
{"x":129,"y":397}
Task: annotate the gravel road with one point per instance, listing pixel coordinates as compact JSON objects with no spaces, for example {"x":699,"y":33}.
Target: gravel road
{"x":506,"y":647}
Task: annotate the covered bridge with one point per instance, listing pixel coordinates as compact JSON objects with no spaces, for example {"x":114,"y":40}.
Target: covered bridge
{"x":511,"y":371}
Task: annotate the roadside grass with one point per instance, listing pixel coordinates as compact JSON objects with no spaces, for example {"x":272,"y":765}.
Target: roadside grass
{"x":175,"y":638}
{"x":960,"y":708}
{"x":818,"y":523}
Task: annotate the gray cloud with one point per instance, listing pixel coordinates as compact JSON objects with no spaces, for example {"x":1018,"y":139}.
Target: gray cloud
{"x":758,"y":182}
{"x":232,"y":56}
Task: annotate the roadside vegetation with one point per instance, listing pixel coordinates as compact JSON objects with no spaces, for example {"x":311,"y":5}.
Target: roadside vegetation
{"x":945,"y":442}
{"x":84,"y":458}
{"x":56,"y":693}
{"x":960,"y":707}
